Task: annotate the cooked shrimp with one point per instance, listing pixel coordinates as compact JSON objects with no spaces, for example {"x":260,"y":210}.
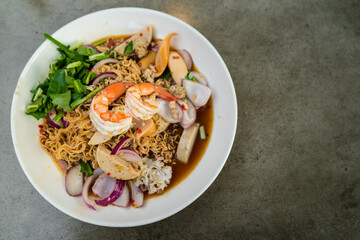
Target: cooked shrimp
{"x":145,"y":109}
{"x":110,"y":122}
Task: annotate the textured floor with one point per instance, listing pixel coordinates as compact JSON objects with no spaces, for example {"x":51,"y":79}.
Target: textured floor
{"x":294,"y":169}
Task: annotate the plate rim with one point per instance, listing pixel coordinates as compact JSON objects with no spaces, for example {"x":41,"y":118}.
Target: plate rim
{"x":181,"y":206}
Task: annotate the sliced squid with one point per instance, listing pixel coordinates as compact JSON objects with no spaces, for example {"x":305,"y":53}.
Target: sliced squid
{"x":162,"y":56}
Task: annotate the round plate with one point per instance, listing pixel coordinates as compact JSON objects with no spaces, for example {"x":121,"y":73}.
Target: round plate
{"x":39,"y":167}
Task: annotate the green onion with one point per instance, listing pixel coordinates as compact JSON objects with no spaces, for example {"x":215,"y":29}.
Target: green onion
{"x":31,"y":108}
{"x":202,"y":133}
{"x":87,"y":79}
{"x":81,"y":100}
{"x":71,"y":53}
{"x":38,"y":93}
{"x":76,"y":45}
{"x":58,"y":116}
{"x":99,"y":42}
{"x":74,"y":65}
{"x":79,"y":87}
{"x":98,"y":56}
{"x":189,"y":76}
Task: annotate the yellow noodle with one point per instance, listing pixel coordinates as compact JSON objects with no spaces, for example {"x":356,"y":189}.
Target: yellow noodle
{"x":71,"y":143}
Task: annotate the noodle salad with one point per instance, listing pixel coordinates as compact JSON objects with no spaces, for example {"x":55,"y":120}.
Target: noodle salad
{"x":118,"y":114}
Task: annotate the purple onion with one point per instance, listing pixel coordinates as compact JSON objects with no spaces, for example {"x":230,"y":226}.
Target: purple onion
{"x":102,"y":62}
{"x":86,"y":188}
{"x":74,"y":181}
{"x":119,"y":187}
{"x":102,"y":76}
{"x":119,"y":145}
{"x":189,"y":113}
{"x":137,"y":196}
{"x":154,"y":49}
{"x":186,"y":56}
{"x":51,"y":115}
{"x":124,"y":199}
{"x":104,"y":185}
{"x":128,"y":155}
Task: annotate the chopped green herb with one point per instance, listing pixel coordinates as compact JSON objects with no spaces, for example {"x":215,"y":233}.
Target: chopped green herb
{"x":79,"y":87}
{"x":69,"y":52}
{"x":202,"y":133}
{"x":129,"y":48}
{"x":73,"y":65}
{"x":99,"y":42}
{"x":76,"y":45}
{"x":80,"y":101}
{"x":86,"y":168}
{"x":98,"y":56}
{"x":58,"y":116}
{"x":166,"y":74}
{"x":62,"y":100}
{"x":189,"y":76}
{"x":37,"y":94}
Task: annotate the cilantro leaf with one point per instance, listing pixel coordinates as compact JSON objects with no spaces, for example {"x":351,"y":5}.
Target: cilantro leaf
{"x":129,"y":48}
{"x":166,"y":74}
{"x":86,"y":168}
{"x":57,"y":83}
{"x":62,"y":100}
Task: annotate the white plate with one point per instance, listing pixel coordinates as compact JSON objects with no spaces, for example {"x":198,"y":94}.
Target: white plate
{"x":39,"y":167}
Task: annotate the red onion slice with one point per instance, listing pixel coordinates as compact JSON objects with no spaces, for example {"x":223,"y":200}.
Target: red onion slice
{"x":62,"y":165}
{"x":189,"y":112}
{"x":165,"y":111}
{"x":102,"y":76}
{"x":198,"y":93}
{"x":51,"y":115}
{"x":187,"y":58}
{"x":102,"y":62}
{"x":66,"y":123}
{"x":128,"y":155}
{"x":86,"y":188}
{"x":119,"y":145}
{"x":74,"y":181}
{"x":137,"y":196}
{"x":124,"y":199}
{"x":201,"y":79}
{"x":119,"y":187}
{"x":104,"y":185}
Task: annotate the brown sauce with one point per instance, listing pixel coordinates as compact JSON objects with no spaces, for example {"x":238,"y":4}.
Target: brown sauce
{"x":205,"y":116}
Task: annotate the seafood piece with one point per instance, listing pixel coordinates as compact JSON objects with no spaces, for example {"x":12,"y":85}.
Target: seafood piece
{"x":145,"y":109}
{"x":162,"y":56}
{"x":147,"y":60}
{"x":110,"y":122}
{"x":154,"y":177}
{"x":147,"y":129}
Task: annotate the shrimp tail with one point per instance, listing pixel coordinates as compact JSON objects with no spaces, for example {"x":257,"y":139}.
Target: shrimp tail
{"x":164,"y":94}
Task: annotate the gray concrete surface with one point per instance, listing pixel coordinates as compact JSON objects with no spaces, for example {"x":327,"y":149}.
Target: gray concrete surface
{"x":293,"y":172}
